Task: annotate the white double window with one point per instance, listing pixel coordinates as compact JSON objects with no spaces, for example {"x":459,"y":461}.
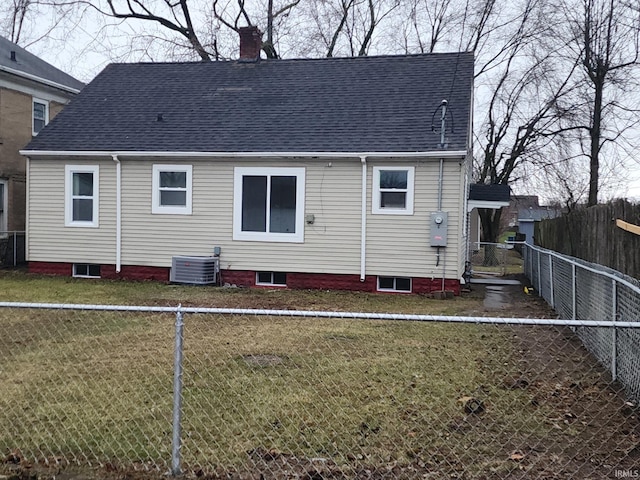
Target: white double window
{"x":268,"y":204}
{"x":172,"y":189}
{"x":393,"y":189}
{"x":394,"y":284}
{"x":81,"y":195}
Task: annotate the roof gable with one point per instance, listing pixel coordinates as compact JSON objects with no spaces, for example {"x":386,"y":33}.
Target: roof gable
{"x":23,"y":63}
{"x":365,"y":104}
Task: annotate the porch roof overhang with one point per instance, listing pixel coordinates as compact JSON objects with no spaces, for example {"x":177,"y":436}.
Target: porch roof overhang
{"x":490,"y":204}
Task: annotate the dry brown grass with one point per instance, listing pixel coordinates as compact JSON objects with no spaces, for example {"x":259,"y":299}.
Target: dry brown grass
{"x":96,"y":387}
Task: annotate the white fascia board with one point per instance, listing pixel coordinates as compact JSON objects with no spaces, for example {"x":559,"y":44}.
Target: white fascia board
{"x":42,"y":92}
{"x":35,"y":78}
{"x":355,"y":155}
{"x":493,"y":205}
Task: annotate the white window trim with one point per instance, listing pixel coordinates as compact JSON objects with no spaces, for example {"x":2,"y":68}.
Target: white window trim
{"x":35,"y":100}
{"x":156,"y":208}
{"x":76,"y":275}
{"x":395,"y":279}
{"x":69,"y":170}
{"x":375,"y":200}
{"x":271,"y":283}
{"x":238,"y":234}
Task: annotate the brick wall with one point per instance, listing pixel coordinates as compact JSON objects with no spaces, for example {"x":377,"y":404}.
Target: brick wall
{"x":311,"y":281}
{"x":16,"y":110}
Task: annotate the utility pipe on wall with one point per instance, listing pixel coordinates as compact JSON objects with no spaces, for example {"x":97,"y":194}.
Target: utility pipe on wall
{"x":363,"y":226}
{"x":118,"y":213}
{"x":443,"y":119}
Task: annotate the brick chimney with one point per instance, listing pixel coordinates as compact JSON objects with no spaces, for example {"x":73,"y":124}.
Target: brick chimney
{"x":250,"y":43}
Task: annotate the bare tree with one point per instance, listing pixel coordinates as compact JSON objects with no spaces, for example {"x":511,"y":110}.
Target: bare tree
{"x":605,"y":37}
{"x":16,"y":13}
{"x":524,"y":88}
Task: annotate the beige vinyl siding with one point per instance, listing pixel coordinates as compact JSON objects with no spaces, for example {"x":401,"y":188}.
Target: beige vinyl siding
{"x":465,"y":173}
{"x":331,"y":245}
{"x":49,"y":238}
{"x":399,"y":245}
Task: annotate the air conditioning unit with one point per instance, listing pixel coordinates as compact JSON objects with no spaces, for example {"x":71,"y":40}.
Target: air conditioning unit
{"x":194,"y":270}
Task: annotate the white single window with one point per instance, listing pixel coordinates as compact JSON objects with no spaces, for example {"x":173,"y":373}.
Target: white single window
{"x":40,"y":116}
{"x":268,"y":204}
{"x":394,"y":284}
{"x":3,"y":208}
{"x":393,"y":190}
{"x":171,"y":189}
{"x":81,"y":195}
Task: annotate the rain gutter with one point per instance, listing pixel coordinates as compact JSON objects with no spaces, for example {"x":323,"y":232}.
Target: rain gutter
{"x":38,"y":79}
{"x":355,"y":155}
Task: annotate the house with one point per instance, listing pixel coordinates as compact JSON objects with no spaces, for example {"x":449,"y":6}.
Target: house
{"x":315,"y":173}
{"x":527,"y":218}
{"x":509,"y":219}
{"x":31,"y":93}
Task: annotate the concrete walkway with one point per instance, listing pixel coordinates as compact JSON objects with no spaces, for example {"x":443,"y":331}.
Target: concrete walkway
{"x":499,"y":291}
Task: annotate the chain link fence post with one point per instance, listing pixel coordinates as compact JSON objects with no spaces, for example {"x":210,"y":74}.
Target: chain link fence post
{"x":614,"y":330}
{"x":177,"y":394}
{"x":552,"y":300}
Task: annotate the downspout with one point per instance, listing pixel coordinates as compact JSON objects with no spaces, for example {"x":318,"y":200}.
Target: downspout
{"x":118,"y":214}
{"x":443,"y":119}
{"x":440,"y":181}
{"x":363,"y":226}
{"x":27,"y":215}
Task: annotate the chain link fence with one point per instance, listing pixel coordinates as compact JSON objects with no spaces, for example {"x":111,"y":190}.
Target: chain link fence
{"x":12,"y":248}
{"x":244,"y":394}
{"x":580,"y":290}
{"x":495,"y":259}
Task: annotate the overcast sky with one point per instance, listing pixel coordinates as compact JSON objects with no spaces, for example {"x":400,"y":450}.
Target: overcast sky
{"x":86,"y":50}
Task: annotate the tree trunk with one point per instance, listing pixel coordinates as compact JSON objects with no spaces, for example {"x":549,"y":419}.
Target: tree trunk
{"x":490,"y":221}
{"x":594,"y":137}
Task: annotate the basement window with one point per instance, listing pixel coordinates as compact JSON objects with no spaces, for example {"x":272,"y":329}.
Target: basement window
{"x":271,"y":278}
{"x":394,"y":284}
{"x":86,"y":270}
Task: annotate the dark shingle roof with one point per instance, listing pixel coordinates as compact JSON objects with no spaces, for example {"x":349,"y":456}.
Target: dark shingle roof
{"x":29,"y":64}
{"x":493,"y":193}
{"x":365,"y":104}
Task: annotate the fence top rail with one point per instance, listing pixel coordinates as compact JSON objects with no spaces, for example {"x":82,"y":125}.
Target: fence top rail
{"x":570,"y":260}
{"x":327,"y":314}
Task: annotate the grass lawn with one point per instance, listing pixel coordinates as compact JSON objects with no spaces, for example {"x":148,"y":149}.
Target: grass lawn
{"x":96,"y":387}
{"x":17,"y":286}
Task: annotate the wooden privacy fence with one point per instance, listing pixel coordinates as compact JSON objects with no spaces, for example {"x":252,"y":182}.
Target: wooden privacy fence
{"x":591,"y":234}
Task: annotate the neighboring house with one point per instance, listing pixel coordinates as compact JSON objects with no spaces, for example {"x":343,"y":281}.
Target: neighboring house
{"x":32,"y":92}
{"x":527,"y":218}
{"x":320,"y":173}
{"x":509,"y":219}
